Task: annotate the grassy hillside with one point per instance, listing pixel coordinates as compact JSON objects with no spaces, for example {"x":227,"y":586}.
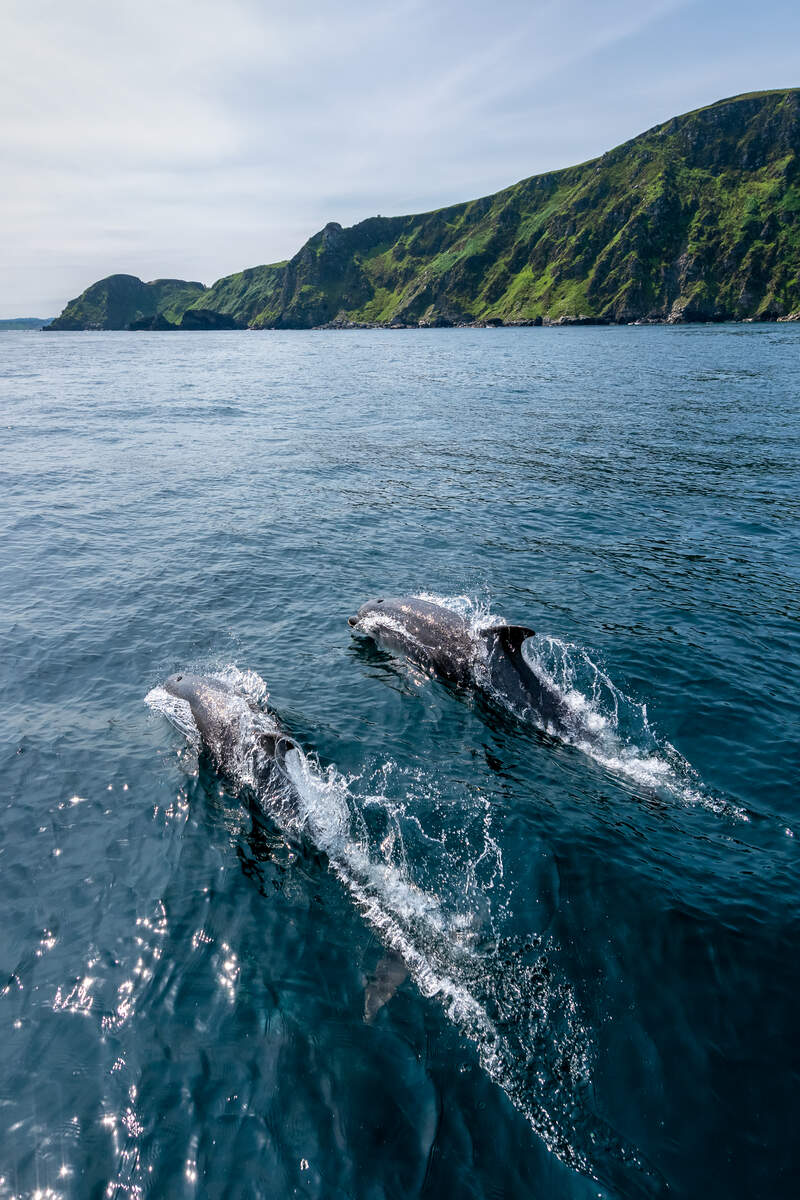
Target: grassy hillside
{"x":121,"y":300}
{"x":246,"y":295}
{"x":697,"y":219}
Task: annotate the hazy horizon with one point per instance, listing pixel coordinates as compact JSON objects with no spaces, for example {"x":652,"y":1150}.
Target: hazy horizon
{"x":172,"y":143}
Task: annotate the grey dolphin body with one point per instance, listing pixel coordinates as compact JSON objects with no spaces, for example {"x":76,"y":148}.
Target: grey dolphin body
{"x":443,"y":642}
{"x":245,"y":744}
{"x":429,"y":634}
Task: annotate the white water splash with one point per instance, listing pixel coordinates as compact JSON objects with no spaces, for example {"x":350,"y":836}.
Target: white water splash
{"x":446,"y":965}
{"x":476,"y":612}
{"x":613,"y":729}
{"x":177,"y":712}
{"x":602,"y":721}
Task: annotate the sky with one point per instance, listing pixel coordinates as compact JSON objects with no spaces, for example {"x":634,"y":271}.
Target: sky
{"x":191,"y":138}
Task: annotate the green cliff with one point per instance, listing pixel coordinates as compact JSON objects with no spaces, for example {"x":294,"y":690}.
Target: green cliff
{"x":697,"y":219}
{"x":243,"y":297}
{"x":122,"y":300}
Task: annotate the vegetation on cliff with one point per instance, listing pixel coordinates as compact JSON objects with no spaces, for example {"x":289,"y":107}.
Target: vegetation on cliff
{"x":697,"y":219}
{"x":122,"y":300}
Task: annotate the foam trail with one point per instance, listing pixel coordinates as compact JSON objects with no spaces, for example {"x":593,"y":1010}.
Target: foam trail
{"x":520,"y":1020}
{"x":613,"y":728}
{"x":413,"y":925}
{"x":602,"y":721}
{"x":409,"y":885}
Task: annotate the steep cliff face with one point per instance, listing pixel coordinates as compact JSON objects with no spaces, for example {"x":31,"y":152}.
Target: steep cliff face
{"x":123,"y":300}
{"x":697,"y":219}
{"x":242,"y":297}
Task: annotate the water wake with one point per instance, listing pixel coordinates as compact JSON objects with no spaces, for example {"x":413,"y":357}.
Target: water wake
{"x":601,"y":720}
{"x":435,"y":893}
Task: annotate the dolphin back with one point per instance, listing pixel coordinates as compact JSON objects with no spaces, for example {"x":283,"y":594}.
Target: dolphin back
{"x":510,"y":637}
{"x":241,"y":736}
{"x":443,"y":641}
{"x":429,"y":634}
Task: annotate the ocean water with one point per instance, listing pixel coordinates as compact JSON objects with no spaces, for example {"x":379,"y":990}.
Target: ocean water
{"x":494,"y":962}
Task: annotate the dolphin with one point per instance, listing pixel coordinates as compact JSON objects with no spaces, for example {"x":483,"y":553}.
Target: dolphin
{"x":442,"y":642}
{"x":244,"y":742}
{"x":247,"y":747}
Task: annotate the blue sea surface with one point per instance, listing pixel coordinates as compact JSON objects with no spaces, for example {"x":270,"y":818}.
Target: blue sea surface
{"x":503,"y":963}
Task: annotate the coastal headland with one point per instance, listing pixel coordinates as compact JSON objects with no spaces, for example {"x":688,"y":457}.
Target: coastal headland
{"x":698,"y":219}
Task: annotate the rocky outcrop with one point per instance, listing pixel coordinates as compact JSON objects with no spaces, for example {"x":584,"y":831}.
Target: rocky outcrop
{"x":206,"y":318}
{"x":124,"y":300}
{"x":158,"y":323}
{"x":696,"y":220}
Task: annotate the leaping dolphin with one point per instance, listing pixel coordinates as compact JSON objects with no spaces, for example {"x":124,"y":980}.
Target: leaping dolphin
{"x":444,"y":643}
{"x":245,"y":742}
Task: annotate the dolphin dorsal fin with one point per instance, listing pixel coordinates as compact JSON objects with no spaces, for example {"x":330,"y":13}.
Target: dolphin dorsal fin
{"x":510,"y":637}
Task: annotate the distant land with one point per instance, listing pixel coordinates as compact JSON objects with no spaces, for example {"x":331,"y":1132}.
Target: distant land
{"x":697,"y":219}
{"x":24,"y":322}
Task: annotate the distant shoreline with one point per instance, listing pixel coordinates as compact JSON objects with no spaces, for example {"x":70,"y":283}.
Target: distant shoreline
{"x":10,"y":324}
{"x":354,"y":327}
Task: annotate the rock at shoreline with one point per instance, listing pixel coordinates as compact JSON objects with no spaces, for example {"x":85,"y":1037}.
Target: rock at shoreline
{"x":206,"y":318}
{"x":159,"y":323}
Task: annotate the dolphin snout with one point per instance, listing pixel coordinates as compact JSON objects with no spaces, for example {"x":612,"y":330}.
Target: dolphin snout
{"x":364,"y":611}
